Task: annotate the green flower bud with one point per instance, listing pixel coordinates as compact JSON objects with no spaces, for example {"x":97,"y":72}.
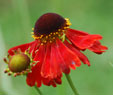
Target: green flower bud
{"x":19,"y":62}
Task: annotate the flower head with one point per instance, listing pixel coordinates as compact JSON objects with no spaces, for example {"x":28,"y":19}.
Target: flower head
{"x":49,"y":27}
{"x":57,"y":48}
{"x":18,"y":64}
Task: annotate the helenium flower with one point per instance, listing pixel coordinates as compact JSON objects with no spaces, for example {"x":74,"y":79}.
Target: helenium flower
{"x":57,"y":48}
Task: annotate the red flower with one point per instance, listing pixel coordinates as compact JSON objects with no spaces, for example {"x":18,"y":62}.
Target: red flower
{"x":57,"y":49}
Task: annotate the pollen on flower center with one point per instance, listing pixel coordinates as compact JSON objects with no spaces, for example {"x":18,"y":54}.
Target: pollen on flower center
{"x":50,"y":26}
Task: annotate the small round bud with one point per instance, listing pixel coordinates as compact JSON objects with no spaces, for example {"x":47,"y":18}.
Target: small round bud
{"x":19,"y":62}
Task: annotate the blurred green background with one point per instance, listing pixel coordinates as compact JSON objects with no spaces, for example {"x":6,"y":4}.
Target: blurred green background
{"x":17,"y":17}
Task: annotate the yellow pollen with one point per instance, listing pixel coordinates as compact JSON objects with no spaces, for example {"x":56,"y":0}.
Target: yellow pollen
{"x":66,"y":19}
{"x":45,"y":41}
{"x":32,"y":36}
{"x":59,"y":35}
{"x":63,"y":30}
{"x":42,"y":44}
{"x":56,"y":32}
{"x":35,"y":37}
{"x":49,"y":35}
{"x":59,"y":29}
{"x":50,"y":41}
{"x":32,"y":32}
{"x":65,"y":27}
{"x":53,"y":37}
{"x":69,"y":23}
{"x":41,"y":35}
{"x":46,"y":37}
{"x":32,"y":29}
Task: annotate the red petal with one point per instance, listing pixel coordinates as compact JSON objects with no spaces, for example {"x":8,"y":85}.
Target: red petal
{"x":45,"y":70}
{"x":63,"y":66}
{"x":54,"y":65}
{"x":52,"y":82}
{"x":22,"y":47}
{"x":82,"y":41}
{"x":58,"y":80}
{"x":34,"y":47}
{"x":98,"y":48}
{"x":77,"y":52}
{"x":50,"y":68}
{"x":48,"y":82}
{"x":70,"y":59}
{"x":35,"y":75}
{"x":77,"y":32}
{"x":30,"y":79}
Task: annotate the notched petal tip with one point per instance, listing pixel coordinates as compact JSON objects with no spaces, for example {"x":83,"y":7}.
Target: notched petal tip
{"x":98,"y":48}
{"x":84,"y":40}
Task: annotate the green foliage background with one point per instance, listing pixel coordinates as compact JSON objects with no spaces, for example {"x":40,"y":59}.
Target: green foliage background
{"x":17,"y":17}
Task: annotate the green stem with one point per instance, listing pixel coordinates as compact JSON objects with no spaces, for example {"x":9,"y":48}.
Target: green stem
{"x":71,"y":84}
{"x":38,"y":90}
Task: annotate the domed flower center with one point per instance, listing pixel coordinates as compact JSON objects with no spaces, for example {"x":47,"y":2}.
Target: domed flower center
{"x":48,"y":23}
{"x":50,"y":26}
{"x":19,"y":63}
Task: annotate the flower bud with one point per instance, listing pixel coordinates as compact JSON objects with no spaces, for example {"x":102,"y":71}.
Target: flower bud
{"x":19,"y":62}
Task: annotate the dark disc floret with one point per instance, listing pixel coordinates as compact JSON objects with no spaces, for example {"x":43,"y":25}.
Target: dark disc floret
{"x":48,"y":23}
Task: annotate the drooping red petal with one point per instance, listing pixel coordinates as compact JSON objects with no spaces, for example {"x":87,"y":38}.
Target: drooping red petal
{"x":45,"y":70}
{"x":34,"y":48}
{"x":51,"y":71}
{"x":63,"y":66}
{"x":54,"y":64}
{"x":83,"y":41}
{"x":22,"y":47}
{"x":82,"y":57}
{"x":98,"y":48}
{"x":35,"y":76}
{"x":71,"y":60}
{"x":50,"y":68}
{"x":31,"y":79}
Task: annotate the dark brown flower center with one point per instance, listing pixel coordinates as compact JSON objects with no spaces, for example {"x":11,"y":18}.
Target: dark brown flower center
{"x":48,"y":23}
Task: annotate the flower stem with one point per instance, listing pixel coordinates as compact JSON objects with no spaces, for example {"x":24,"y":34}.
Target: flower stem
{"x":38,"y":90}
{"x":71,"y":84}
